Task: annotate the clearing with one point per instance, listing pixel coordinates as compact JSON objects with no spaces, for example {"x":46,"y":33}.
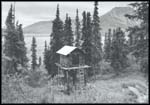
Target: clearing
{"x":105,"y":89}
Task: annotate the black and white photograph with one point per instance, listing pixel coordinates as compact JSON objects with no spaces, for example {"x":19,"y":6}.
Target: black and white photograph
{"x":74,"y":52}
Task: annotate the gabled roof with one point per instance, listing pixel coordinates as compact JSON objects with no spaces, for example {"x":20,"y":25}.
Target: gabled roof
{"x":65,"y":50}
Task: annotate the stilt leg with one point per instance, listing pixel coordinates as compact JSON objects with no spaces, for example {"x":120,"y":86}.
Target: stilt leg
{"x":67,"y":84}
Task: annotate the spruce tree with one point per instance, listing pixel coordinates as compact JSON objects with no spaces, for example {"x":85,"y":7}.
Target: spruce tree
{"x":138,"y":35}
{"x":11,"y":42}
{"x":55,"y":44}
{"x":84,"y":25}
{"x":96,"y":39}
{"x":8,"y":41}
{"x":34,"y":56}
{"x":45,"y":54}
{"x":114,"y":35}
{"x":68,"y":33}
{"x":10,"y":31}
{"x":108,"y":46}
{"x":40,"y":61}
{"x":86,"y":46}
{"x":105,"y":44}
{"x":47,"y":58}
{"x":22,"y":51}
{"x":77,"y":30}
{"x":118,"y":51}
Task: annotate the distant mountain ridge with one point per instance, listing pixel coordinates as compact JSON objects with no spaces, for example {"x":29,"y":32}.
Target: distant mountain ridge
{"x":112,"y":19}
{"x":42,"y":27}
{"x":116,"y":18}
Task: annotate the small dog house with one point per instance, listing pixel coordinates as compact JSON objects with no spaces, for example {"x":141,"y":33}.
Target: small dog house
{"x":71,"y":61}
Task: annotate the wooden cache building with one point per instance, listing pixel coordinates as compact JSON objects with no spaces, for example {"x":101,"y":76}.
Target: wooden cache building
{"x":71,"y":65}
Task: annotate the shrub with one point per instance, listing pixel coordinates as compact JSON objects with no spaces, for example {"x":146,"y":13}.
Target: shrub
{"x":144,"y":65}
{"x":34,"y":78}
{"x":105,"y":67}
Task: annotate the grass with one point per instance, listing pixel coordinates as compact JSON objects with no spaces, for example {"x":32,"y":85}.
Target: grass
{"x":106,"y":88}
{"x":101,"y":91}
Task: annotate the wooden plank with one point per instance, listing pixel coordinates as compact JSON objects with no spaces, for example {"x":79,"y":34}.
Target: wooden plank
{"x":72,"y":68}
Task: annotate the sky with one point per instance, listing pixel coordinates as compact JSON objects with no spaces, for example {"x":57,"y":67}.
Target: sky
{"x":30,"y":12}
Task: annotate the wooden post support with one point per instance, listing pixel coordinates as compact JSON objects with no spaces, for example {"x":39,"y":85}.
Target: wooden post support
{"x":95,"y":73}
{"x":84,"y":77}
{"x":67,"y":82}
{"x":75,"y":78}
{"x":57,"y":76}
{"x":81,"y":69}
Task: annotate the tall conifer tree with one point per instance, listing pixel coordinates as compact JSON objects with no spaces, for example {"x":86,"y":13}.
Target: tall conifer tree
{"x":108,"y":45}
{"x":68,"y":33}
{"x":96,"y":39}
{"x":34,"y":56}
{"x":105,"y":44}
{"x":84,"y":25}
{"x":139,"y":35}
{"x":86,"y":46}
{"x":45,"y":54}
{"x":77,"y":30}
{"x":55,"y":44}
{"x":10,"y":31}
{"x":40,"y":59}
{"x":22,"y":51}
{"x":118,"y":54}
{"x":14,"y":46}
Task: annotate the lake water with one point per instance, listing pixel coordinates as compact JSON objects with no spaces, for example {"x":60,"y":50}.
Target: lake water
{"x":40,"y":41}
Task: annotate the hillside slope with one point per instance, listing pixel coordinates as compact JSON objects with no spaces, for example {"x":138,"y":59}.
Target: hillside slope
{"x":112,"y":19}
{"x":116,"y":18}
{"x":42,"y":27}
